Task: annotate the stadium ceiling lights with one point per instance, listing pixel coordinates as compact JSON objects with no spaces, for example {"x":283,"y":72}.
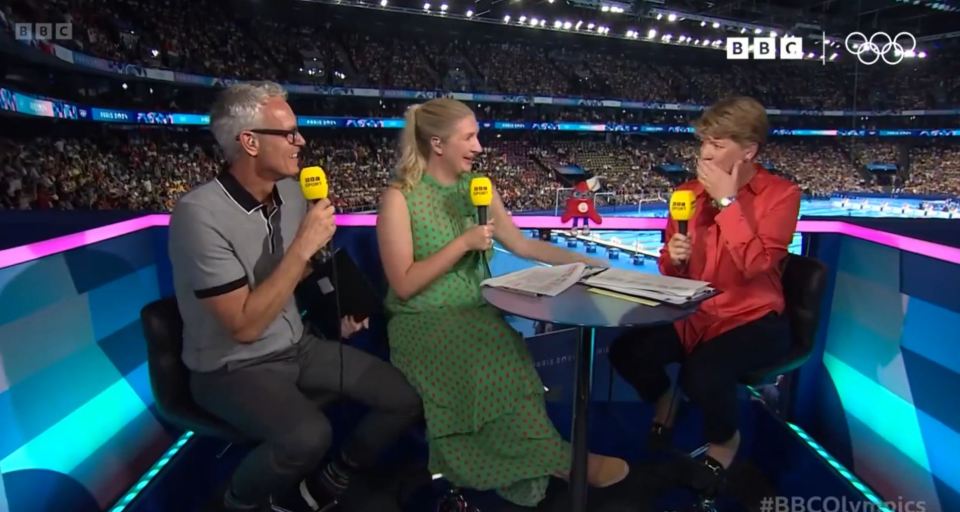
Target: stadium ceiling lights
{"x":591,"y":28}
{"x":535,"y":22}
{"x":943,"y":5}
{"x":606,"y":6}
{"x":716,"y":23}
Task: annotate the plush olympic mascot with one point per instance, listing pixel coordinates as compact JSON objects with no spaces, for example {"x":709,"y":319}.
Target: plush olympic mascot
{"x":580,"y":206}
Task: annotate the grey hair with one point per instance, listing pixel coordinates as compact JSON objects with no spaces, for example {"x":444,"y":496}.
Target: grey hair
{"x":238,"y":108}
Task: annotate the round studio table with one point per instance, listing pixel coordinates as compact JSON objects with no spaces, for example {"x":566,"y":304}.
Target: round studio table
{"x":586,"y":311}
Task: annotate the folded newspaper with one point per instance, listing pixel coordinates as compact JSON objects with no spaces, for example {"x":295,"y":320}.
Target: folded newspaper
{"x":552,"y":281}
{"x":548,"y":281}
{"x":672,"y":290}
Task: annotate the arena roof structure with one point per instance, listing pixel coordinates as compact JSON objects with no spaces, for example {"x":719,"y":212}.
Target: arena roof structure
{"x":702,"y":24}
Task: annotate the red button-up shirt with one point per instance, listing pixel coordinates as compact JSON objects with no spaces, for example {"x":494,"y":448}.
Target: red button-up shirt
{"x":740,"y":251}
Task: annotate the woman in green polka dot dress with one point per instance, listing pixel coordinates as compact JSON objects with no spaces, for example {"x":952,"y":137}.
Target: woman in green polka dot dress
{"x":483,"y":400}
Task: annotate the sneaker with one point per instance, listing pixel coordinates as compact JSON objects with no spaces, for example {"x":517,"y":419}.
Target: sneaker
{"x":305,"y":498}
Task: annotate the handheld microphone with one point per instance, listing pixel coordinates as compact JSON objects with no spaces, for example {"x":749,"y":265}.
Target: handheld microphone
{"x":313,"y":183}
{"x":681,"y":208}
{"x":481,"y":195}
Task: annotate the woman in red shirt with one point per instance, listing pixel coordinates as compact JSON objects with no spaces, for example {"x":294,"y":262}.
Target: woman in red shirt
{"x":744,"y":219}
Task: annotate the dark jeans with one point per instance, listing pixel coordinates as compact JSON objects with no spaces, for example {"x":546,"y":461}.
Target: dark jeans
{"x":274,"y":402}
{"x":710,"y":374}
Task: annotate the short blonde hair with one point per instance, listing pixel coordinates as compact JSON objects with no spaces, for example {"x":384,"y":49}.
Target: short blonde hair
{"x":739,"y":118}
{"x":435,"y":118}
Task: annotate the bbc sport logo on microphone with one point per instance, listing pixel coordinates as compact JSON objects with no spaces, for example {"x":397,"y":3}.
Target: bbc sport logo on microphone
{"x":765,"y":48}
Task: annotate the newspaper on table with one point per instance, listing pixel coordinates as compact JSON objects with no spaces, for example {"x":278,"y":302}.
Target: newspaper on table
{"x":545,"y":281}
{"x":672,"y":290}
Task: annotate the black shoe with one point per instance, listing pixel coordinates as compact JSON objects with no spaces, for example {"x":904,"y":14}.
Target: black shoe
{"x":306,"y":497}
{"x":707,"y":477}
{"x":454,"y":501}
{"x":229,"y":503}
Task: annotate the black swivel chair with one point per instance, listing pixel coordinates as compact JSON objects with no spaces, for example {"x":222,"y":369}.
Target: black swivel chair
{"x":170,"y":378}
{"x":804,"y":280}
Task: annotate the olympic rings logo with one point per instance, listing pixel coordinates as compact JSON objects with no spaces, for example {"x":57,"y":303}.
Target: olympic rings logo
{"x":880,"y":46}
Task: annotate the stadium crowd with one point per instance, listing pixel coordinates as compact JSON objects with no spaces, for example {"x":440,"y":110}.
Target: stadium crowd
{"x":140,"y":170}
{"x":875,"y":153}
{"x":202,"y":36}
{"x":934,"y":169}
{"x":149,"y":170}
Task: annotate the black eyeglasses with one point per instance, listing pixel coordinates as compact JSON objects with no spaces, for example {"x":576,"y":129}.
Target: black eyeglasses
{"x":291,"y":134}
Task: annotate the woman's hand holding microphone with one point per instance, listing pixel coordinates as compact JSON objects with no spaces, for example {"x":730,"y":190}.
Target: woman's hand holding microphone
{"x":679,"y":249}
{"x":479,"y":238}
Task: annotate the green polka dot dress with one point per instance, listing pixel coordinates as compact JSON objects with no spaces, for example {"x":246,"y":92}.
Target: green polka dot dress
{"x":483,"y":401}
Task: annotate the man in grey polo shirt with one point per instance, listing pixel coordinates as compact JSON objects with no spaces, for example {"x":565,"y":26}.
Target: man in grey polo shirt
{"x":239,"y":246}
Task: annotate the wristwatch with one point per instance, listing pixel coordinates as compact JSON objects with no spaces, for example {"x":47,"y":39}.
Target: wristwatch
{"x":726,"y":201}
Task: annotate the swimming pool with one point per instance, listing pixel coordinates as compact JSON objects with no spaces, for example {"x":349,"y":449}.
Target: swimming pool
{"x":833,"y":207}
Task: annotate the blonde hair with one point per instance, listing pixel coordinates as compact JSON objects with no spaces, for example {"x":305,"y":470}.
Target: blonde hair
{"x":422,"y":122}
{"x":739,"y":118}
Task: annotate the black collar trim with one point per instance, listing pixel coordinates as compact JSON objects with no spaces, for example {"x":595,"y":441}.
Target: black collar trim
{"x":243,"y":198}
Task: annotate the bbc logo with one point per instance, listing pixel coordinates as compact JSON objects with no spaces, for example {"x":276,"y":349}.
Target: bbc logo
{"x":43,"y":31}
{"x":764,"y":48}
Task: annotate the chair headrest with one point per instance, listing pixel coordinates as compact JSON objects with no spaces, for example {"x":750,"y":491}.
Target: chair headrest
{"x":163,"y":326}
{"x":803,"y":282}
{"x":169,"y":376}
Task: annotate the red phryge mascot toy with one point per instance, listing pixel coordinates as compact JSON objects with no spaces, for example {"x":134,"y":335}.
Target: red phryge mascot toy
{"x":581,"y":206}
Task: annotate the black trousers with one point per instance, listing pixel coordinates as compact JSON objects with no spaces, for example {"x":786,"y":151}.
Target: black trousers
{"x":710,"y":374}
{"x":274,"y":401}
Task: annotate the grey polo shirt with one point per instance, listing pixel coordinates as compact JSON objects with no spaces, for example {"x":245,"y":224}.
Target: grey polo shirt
{"x":222,"y":239}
